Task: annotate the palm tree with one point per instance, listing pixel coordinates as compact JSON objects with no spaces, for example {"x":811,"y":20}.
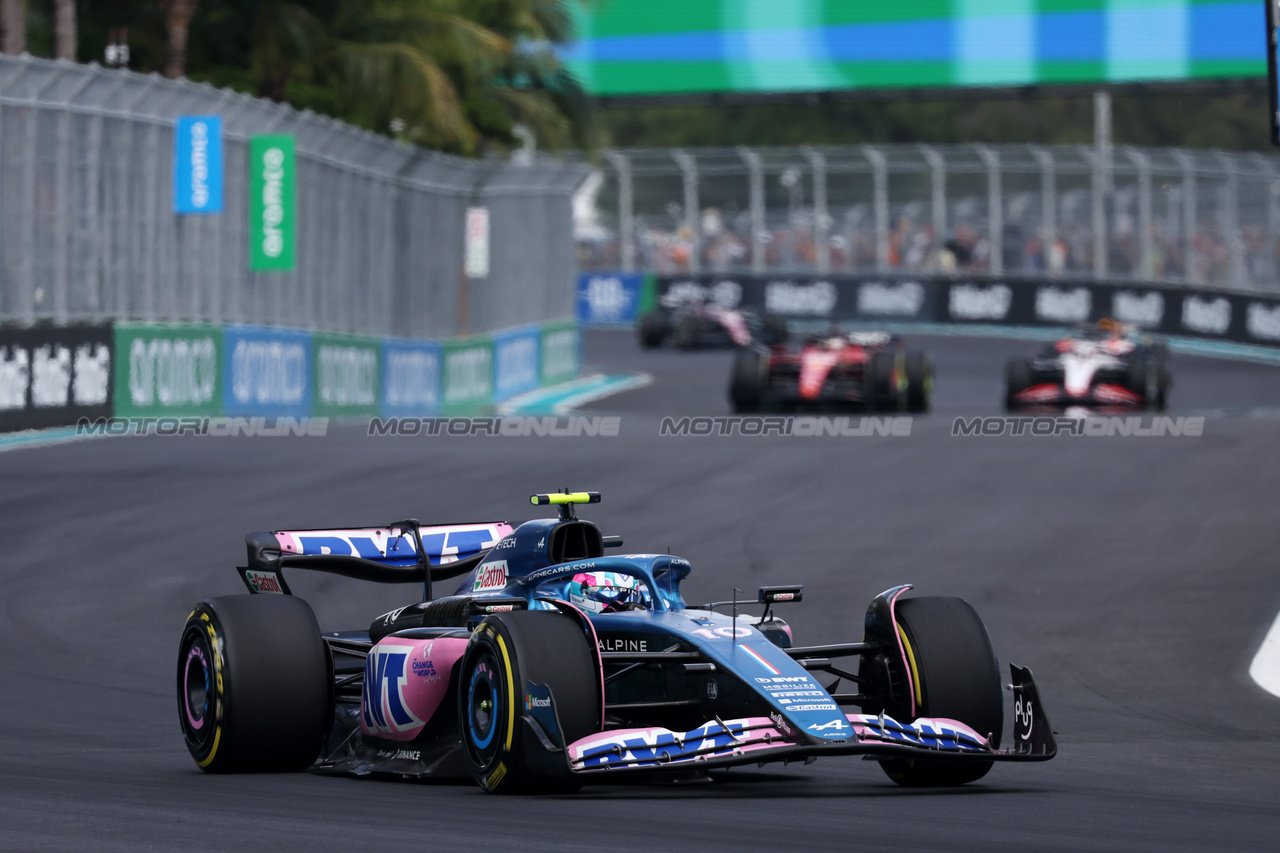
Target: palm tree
{"x":177,"y":19}
{"x":13,"y":26}
{"x":64,"y":29}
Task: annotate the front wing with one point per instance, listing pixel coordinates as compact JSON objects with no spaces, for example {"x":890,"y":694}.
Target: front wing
{"x":725,"y":743}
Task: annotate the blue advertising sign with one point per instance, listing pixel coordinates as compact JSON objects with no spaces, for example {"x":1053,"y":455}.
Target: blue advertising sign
{"x":608,"y":299}
{"x":267,"y":372}
{"x":197,"y":165}
{"x":515,"y":362}
{"x":410,"y":378}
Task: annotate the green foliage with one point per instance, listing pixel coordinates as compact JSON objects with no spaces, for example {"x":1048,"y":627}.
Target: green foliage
{"x":458,"y":75}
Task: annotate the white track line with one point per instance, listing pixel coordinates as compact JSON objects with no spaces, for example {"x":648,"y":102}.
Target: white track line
{"x":1265,"y":668}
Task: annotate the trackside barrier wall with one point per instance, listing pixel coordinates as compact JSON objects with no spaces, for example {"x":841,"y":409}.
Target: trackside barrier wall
{"x":52,"y":376}
{"x":1213,"y":314}
{"x":561,"y":352}
{"x":55,"y":376}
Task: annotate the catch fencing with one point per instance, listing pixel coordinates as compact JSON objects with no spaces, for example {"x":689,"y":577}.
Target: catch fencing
{"x":89,"y":234}
{"x":1206,"y":219}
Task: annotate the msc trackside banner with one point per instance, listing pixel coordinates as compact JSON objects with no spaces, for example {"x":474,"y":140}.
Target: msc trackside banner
{"x":1247,"y":318}
{"x":53,"y":377}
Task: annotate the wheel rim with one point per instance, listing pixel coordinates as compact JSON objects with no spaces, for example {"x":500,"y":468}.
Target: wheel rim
{"x":196,"y":688}
{"x":485,"y":706}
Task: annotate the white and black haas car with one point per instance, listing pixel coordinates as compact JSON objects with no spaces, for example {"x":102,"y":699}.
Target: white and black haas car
{"x":553,"y":665}
{"x":1107,"y":365}
{"x":694,"y":322}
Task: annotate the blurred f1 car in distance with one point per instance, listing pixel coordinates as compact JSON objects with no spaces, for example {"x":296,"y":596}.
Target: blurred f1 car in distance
{"x":1103,"y":365}
{"x":552,"y":665}
{"x":866,"y":370}
{"x":694,"y":322}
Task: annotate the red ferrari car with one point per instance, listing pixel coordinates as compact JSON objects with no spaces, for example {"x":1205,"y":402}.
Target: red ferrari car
{"x":865,"y":370}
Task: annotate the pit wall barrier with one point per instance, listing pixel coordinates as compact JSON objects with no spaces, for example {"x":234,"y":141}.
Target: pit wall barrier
{"x":53,"y":377}
{"x":620,"y":299}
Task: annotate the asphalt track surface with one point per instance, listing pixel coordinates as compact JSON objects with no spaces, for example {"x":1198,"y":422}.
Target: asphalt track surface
{"x":1135,"y":576}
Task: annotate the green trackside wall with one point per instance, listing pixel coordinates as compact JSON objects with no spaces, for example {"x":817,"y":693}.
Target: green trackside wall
{"x":165,"y":370}
{"x":175,"y":370}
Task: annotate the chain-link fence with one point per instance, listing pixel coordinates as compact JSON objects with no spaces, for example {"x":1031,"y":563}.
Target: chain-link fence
{"x":1206,"y":218}
{"x":88,"y":231}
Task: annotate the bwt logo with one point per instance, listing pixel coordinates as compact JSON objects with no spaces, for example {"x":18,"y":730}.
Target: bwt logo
{"x":383,"y":706}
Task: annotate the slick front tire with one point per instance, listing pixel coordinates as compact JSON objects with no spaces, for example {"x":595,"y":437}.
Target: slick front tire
{"x":255,"y":688}
{"x":509,"y":652}
{"x":887,"y":381}
{"x":919,"y":369}
{"x":955,"y":676}
{"x":1017,"y":378}
{"x":749,"y":380}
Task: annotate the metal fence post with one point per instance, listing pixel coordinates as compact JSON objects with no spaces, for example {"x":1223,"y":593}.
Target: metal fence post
{"x":1191,"y":261}
{"x":1146,"y":250}
{"x":755,"y":181}
{"x":689,"y":172}
{"x":1101,"y":179}
{"x":1229,"y":218}
{"x":821,"y":218}
{"x":880,"y":203}
{"x":1270,"y":214}
{"x":626,"y":209}
{"x":937,"y":191}
{"x":1048,"y":204}
{"x":995,"y":208}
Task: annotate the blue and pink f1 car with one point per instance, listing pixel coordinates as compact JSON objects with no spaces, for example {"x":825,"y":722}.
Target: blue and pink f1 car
{"x":552,"y":665}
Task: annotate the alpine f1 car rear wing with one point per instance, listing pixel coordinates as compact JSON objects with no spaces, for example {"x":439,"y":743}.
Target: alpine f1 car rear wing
{"x":400,"y":552}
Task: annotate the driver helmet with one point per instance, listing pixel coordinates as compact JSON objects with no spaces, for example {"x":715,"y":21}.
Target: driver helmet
{"x":1111,"y":326}
{"x":607,"y":592}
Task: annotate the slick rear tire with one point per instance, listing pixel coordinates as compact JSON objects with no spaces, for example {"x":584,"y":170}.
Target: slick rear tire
{"x":1017,"y":378}
{"x":255,"y":684}
{"x":956,"y":676}
{"x":919,"y":368}
{"x":508,"y":652}
{"x":653,"y":329}
{"x":749,"y":380}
